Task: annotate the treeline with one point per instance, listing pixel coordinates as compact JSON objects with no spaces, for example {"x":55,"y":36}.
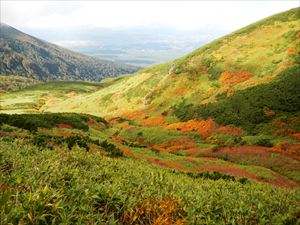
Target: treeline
{"x":249,"y":107}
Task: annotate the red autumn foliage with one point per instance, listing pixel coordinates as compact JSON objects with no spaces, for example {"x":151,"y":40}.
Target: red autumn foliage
{"x":229,"y":78}
{"x":60,"y":133}
{"x":284,"y":132}
{"x":191,"y":160}
{"x":203,"y":127}
{"x":287,"y":147}
{"x":296,"y":136}
{"x":210,"y":159}
{"x":197,"y":152}
{"x":230,"y":130}
{"x":91,"y":120}
{"x":163,"y":163}
{"x":65,"y":126}
{"x":281,"y":181}
{"x":126,"y":151}
{"x":278,"y":123}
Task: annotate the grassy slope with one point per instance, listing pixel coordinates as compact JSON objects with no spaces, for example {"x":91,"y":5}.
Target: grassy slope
{"x":79,"y":187}
{"x":257,"y":53}
{"x":74,"y":186}
{"x":32,"y":98}
{"x":146,"y":136}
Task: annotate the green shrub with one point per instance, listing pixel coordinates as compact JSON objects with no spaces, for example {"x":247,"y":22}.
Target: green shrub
{"x":220,"y":139}
{"x":211,"y":175}
{"x":264,"y":142}
{"x":32,"y":122}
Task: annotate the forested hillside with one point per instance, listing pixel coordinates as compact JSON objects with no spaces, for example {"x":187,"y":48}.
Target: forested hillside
{"x":24,"y":55}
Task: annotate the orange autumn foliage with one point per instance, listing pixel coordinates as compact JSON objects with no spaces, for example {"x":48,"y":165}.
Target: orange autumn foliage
{"x":230,"y":130}
{"x":153,"y":121}
{"x":124,"y":125}
{"x":115,"y":96}
{"x":126,"y":151}
{"x":137,"y":115}
{"x":296,"y":136}
{"x":228,"y":78}
{"x":164,"y":211}
{"x":65,"y":126}
{"x":203,"y":69}
{"x":288,"y":148}
{"x":278,"y":123}
{"x":269,"y":113}
{"x":59,"y":133}
{"x":203,"y":127}
{"x":117,"y":139}
{"x":183,"y":143}
{"x":291,"y":51}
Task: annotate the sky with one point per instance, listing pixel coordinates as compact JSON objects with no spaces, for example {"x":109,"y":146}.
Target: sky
{"x":139,"y":32}
{"x":182,"y":15}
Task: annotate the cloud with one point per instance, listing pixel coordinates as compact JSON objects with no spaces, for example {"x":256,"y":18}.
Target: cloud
{"x":183,"y":15}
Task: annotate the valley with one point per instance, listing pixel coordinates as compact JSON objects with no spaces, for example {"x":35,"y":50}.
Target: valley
{"x":209,"y":138}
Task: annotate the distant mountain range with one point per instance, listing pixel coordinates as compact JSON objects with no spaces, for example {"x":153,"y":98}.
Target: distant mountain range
{"x":27,"y":56}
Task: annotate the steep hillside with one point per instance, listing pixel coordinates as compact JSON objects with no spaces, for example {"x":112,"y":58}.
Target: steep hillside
{"x":24,"y":55}
{"x":211,"y":138}
{"x":248,"y":57}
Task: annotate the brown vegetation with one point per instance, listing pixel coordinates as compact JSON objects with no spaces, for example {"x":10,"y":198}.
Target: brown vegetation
{"x":229,"y":78}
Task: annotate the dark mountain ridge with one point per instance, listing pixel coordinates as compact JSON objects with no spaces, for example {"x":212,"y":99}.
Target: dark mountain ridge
{"x":25,"y":55}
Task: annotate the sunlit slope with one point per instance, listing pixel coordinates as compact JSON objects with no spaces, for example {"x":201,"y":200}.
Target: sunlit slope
{"x":248,"y":57}
{"x":32,"y":98}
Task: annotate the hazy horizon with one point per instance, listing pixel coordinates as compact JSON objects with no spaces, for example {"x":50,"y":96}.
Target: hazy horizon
{"x":139,"y":33}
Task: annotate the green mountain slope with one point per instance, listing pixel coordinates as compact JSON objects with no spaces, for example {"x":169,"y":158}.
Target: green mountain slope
{"x":24,"y":55}
{"x":210,"y":138}
{"x":251,"y":56}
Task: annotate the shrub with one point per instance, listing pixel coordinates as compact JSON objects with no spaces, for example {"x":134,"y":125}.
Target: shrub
{"x":211,"y":175}
{"x":32,"y":122}
{"x":221,"y":139}
{"x":264,"y":142}
{"x":243,"y":180}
